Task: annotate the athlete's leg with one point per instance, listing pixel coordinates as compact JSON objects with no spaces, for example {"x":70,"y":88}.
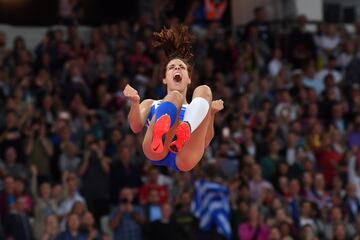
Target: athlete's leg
{"x":193,"y":117}
{"x":162,"y":123}
{"x":193,"y":149}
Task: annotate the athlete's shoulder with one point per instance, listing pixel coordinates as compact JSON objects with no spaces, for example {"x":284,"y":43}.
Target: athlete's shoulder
{"x":147,"y":102}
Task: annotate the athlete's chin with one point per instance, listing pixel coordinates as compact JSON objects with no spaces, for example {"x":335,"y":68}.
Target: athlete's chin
{"x":177,"y":88}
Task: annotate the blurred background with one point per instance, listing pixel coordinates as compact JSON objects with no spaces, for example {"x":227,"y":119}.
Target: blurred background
{"x":285,"y":159}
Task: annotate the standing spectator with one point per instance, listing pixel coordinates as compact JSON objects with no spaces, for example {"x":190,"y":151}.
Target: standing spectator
{"x":187,"y":224}
{"x":301,"y":44}
{"x":45,"y":205}
{"x":152,"y":207}
{"x":69,"y":160}
{"x":72,"y":194}
{"x":11,"y":136}
{"x":123,"y":173}
{"x":39,"y":149}
{"x":94,"y":171}
{"x":152,"y":184}
{"x":127,"y":219}
{"x":70,"y":11}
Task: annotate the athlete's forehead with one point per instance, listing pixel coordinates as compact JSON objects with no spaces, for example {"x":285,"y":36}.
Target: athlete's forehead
{"x":176,"y":61}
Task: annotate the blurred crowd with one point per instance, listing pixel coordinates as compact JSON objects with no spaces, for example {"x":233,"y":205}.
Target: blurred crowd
{"x":286,"y":144}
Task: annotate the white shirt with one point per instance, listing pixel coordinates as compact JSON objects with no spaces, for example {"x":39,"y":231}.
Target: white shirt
{"x":323,"y":73}
{"x":67,"y":204}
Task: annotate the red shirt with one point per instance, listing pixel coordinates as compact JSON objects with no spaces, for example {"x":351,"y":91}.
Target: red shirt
{"x":325,"y":162}
{"x":147,"y":188}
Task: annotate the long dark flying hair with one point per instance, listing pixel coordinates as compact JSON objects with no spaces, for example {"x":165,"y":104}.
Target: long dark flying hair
{"x":176,"y":42}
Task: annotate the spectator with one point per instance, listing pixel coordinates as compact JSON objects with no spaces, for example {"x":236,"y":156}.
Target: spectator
{"x":351,"y":203}
{"x":72,"y":196}
{"x":152,"y":184}
{"x":88,"y":227}
{"x":73,"y":229}
{"x":257,"y":184}
{"x":163,"y":228}
{"x":12,"y":166}
{"x":336,"y":218}
{"x":7,"y":196}
{"x":51,"y":228}
{"x":39,"y":149}
{"x":16,"y":222}
{"x":44,"y":204}
{"x":186,"y":222}
{"x":69,"y":160}
{"x":253,"y":228}
{"x":123,"y":173}
{"x":127,"y":219}
{"x":94,"y":171}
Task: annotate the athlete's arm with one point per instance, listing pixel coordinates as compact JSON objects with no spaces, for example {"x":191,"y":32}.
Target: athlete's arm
{"x":138,"y":111}
{"x":216,"y":106}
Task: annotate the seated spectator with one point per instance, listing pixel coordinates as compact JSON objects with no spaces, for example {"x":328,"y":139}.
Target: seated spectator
{"x":12,"y":166}
{"x":79,"y":209}
{"x":72,"y":230}
{"x":351,"y":203}
{"x":88,"y":227}
{"x":253,"y":228}
{"x":7,"y":196}
{"x":17,"y":223}
{"x":165,"y":227}
{"x":257,"y":183}
{"x":51,"y":228}
{"x":152,"y":207}
{"x":336,"y":218}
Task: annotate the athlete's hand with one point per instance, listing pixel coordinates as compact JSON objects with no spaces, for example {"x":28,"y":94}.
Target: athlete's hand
{"x":131,"y":94}
{"x":217,"y":106}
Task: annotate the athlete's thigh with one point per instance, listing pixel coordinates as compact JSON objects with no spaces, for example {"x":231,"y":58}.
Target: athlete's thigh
{"x":193,"y":150}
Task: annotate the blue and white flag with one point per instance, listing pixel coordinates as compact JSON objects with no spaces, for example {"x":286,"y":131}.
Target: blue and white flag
{"x":211,"y":206}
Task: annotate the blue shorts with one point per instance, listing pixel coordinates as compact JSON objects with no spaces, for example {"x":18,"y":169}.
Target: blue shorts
{"x":169,"y":161}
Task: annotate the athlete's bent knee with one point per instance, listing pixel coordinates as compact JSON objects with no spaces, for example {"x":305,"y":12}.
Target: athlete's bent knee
{"x":203,"y":91}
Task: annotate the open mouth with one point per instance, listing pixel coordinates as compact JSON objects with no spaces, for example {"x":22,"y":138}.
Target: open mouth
{"x":177,"y":77}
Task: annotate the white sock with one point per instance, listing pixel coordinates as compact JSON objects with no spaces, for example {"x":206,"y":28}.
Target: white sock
{"x":196,"y":112}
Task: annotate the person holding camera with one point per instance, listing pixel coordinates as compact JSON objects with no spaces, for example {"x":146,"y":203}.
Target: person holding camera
{"x":94,"y":172}
{"x":127,"y":219}
{"x":39,"y":149}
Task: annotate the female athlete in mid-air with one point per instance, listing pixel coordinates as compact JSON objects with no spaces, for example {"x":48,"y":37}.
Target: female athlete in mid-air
{"x":177,"y":132}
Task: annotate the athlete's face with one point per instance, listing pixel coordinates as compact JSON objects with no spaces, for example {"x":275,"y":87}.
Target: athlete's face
{"x":177,"y":75}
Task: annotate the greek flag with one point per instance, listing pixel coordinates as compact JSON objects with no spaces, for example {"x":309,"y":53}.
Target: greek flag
{"x":211,"y":206}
